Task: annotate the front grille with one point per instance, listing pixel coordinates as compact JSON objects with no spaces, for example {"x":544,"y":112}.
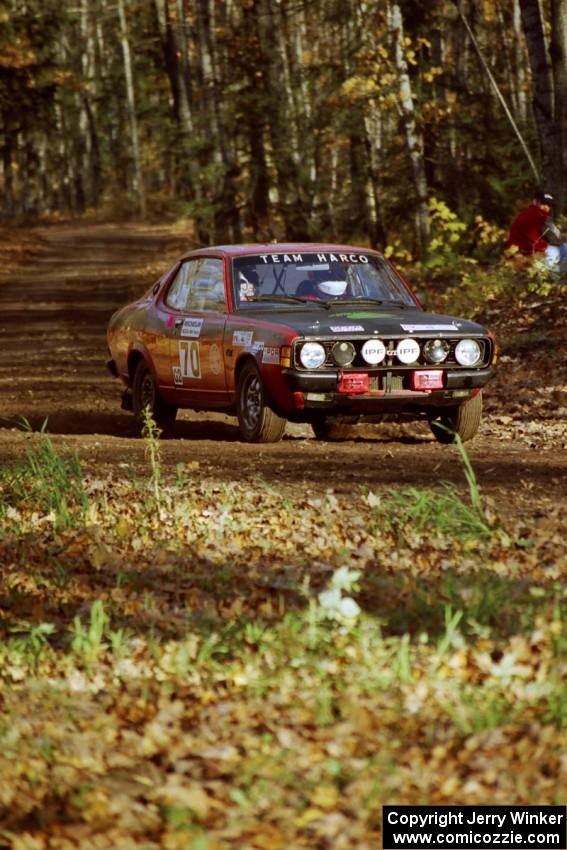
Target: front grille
{"x":391,"y":361}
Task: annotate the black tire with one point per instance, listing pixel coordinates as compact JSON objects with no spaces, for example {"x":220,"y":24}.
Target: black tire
{"x":257,"y":420}
{"x":463,"y":420}
{"x":145,"y":393}
{"x":334,"y":427}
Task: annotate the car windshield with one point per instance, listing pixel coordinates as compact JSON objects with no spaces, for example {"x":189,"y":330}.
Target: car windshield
{"x":300,"y":277}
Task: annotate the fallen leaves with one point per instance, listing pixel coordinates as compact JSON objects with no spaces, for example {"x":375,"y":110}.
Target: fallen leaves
{"x":200,"y":675}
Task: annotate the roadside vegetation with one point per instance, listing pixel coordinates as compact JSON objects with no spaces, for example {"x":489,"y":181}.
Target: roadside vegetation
{"x":192,"y":663}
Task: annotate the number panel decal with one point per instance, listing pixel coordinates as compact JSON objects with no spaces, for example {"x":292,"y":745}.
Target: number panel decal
{"x":189,"y":359}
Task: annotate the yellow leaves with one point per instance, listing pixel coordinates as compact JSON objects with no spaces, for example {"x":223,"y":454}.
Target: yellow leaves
{"x":178,"y":791}
{"x":396,"y":252}
{"x":325,"y":796}
{"x":123,"y":528}
{"x":430,"y":75}
{"x":308,"y":816}
{"x":490,"y":11}
{"x":441,"y":214}
{"x":450,"y":788}
{"x":99,"y":555}
{"x":95,"y":805}
{"x":489,"y":234}
{"x":266,"y":836}
{"x":27,"y":841}
{"x":207,"y":697}
{"x":359,"y":88}
{"x":17,"y":56}
{"x":161,"y":732}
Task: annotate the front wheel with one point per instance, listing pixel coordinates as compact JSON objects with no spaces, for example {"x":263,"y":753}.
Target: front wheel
{"x":258,"y":422}
{"x":145,"y":394}
{"x":463,"y":420}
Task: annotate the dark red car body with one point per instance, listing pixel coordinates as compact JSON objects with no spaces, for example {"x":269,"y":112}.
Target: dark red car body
{"x":188,"y":340}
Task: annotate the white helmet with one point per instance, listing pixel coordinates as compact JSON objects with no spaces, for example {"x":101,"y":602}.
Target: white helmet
{"x":335,"y":288}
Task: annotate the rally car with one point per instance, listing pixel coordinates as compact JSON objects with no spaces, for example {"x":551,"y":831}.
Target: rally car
{"x":312,"y":333}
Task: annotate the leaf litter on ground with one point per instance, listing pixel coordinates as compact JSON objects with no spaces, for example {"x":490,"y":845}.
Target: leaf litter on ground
{"x":203,"y":664}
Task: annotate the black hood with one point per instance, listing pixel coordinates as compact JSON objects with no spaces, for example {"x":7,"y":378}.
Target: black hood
{"x":313,"y":320}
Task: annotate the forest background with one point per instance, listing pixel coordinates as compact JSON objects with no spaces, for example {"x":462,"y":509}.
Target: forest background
{"x":368,"y":121}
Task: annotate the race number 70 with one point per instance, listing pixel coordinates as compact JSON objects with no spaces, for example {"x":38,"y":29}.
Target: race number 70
{"x":189,"y":359}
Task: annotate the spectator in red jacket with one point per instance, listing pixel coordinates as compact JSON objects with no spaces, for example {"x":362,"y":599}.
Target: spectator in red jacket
{"x":533,"y":230}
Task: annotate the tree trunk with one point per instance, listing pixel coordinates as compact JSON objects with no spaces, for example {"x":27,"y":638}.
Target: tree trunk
{"x":542,"y":82}
{"x":414,"y":140}
{"x":137,"y":183}
{"x":559,"y":60}
{"x":280,"y":116}
{"x":520,"y":99}
{"x":7,"y":155}
{"x":87,"y":106}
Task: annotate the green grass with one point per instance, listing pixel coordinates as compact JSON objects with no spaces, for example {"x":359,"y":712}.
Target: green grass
{"x":45,"y":479}
{"x":433,"y":510}
{"x":439,"y":509}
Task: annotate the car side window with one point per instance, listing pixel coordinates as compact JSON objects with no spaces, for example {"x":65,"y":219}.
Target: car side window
{"x":178,"y":293}
{"x":207,"y":286}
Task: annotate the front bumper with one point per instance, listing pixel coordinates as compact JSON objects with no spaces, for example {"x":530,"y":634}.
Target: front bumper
{"x":390,"y":390}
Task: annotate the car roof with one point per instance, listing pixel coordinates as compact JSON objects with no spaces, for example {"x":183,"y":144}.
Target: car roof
{"x":280,"y":248}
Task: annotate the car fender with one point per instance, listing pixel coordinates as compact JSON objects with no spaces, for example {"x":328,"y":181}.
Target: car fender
{"x":138,"y":351}
{"x":273,"y":380}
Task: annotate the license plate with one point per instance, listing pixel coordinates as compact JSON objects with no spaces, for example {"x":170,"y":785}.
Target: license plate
{"x":354,"y":382}
{"x":432,"y":379}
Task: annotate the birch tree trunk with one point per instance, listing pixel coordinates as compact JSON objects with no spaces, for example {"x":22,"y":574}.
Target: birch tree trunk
{"x":226,"y":221}
{"x":414,"y":140}
{"x":88,"y":117}
{"x":519,"y":70}
{"x":137,"y":183}
{"x":280,"y":122}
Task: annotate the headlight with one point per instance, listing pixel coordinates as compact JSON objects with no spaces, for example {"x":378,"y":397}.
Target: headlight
{"x":407,"y":351}
{"x":343,"y":353}
{"x":436,"y":350}
{"x":312,"y":355}
{"x":373,"y":351}
{"x":468,"y":352}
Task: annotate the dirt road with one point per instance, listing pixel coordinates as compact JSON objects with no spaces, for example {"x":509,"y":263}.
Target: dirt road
{"x":53,"y":314}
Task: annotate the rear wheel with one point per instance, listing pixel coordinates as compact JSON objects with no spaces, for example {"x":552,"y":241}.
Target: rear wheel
{"x":145,"y":394}
{"x":258,"y":421}
{"x":334,"y":427}
{"x":463,"y":420}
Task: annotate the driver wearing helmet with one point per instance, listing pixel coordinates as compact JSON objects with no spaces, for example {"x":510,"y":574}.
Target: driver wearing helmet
{"x":323,"y":284}
{"x":329,"y":289}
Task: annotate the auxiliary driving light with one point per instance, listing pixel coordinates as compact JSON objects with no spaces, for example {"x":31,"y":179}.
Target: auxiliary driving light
{"x":312,"y":355}
{"x":436,"y":350}
{"x":407,"y":351}
{"x":343,"y":353}
{"x":468,"y":352}
{"x":373,"y":351}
